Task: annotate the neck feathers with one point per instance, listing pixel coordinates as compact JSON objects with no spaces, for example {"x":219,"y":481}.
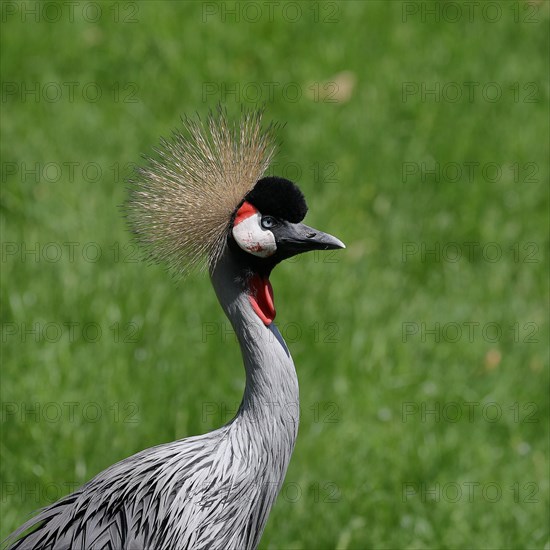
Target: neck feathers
{"x":271,"y":392}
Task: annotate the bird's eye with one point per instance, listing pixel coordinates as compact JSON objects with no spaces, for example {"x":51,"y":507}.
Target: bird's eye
{"x":268,"y":222}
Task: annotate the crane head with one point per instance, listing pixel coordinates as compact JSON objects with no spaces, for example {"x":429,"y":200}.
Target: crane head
{"x":267,"y":228}
{"x":206,"y":191}
{"x":267,"y":225}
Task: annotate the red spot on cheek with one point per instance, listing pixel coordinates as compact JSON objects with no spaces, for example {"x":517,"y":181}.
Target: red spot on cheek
{"x":245,"y":211}
{"x":261,"y":298}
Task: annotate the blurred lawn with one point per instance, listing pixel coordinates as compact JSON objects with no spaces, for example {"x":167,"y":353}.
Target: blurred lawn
{"x":373,"y":468}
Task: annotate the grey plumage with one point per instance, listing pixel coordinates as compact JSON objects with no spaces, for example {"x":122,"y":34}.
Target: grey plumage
{"x":212,"y":491}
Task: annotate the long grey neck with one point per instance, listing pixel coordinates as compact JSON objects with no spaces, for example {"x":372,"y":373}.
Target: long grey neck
{"x":271,"y":392}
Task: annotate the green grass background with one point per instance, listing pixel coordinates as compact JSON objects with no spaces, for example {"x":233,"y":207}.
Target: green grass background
{"x":343,"y":314}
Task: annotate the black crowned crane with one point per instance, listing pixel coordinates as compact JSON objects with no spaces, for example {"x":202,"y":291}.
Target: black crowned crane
{"x":205,"y":201}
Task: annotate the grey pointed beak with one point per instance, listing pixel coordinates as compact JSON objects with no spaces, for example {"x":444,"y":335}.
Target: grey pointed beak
{"x":295,"y":238}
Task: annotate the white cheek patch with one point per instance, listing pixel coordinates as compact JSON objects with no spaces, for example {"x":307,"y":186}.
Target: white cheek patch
{"x":252,"y":238}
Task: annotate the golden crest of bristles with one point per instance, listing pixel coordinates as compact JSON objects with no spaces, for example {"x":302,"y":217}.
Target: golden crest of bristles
{"x":180,"y":205}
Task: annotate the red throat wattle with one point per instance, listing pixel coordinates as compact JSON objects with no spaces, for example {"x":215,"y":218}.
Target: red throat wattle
{"x":261,"y":298}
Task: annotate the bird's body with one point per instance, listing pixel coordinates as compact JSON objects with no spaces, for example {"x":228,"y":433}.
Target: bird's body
{"x":209,"y":491}
{"x":214,"y":490}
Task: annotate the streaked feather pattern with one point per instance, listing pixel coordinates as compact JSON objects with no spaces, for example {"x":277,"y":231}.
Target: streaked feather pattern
{"x":212,"y":491}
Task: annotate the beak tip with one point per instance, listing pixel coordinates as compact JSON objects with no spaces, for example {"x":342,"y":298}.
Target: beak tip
{"x":338,"y":243}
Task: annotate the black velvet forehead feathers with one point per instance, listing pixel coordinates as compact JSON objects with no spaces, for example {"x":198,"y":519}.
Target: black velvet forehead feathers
{"x":278,"y":197}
